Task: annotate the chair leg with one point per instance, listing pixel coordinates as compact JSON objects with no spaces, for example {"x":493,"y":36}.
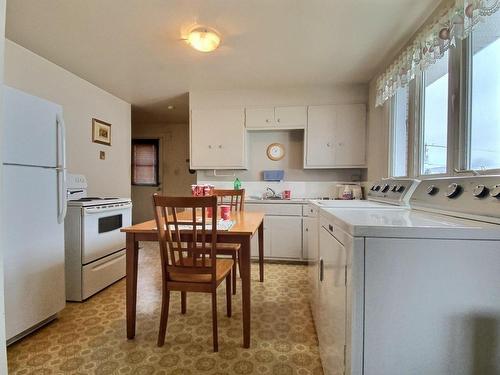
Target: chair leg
{"x":183,"y":302}
{"x":214,"y":320}
{"x":228,"y":295}
{"x":234,"y":273}
{"x":239,"y":264}
{"x":165,"y":302}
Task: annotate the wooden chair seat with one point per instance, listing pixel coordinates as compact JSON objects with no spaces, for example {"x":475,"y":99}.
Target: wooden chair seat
{"x":222,"y":268}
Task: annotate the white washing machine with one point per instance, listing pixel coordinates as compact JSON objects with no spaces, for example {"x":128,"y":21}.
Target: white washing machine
{"x":413,"y":291}
{"x":388,"y":193}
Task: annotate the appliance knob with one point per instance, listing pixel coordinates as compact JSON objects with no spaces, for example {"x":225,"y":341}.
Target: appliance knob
{"x":377,"y":187}
{"x":495,"y":191}
{"x":480,"y":191}
{"x":385,"y":188}
{"x":394,"y":188}
{"x":400,"y":188}
{"x":453,"y":190}
{"x":432,"y":189}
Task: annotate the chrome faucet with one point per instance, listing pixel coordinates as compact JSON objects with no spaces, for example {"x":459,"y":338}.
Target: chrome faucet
{"x":272,"y":195}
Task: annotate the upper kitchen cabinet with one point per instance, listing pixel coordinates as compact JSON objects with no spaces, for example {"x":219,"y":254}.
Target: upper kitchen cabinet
{"x":217,"y":139}
{"x":336,"y":136}
{"x":265,"y":118}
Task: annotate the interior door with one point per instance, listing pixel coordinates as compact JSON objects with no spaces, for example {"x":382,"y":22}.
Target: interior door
{"x":29,"y":118}
{"x":33,"y":245}
{"x":332,"y":314}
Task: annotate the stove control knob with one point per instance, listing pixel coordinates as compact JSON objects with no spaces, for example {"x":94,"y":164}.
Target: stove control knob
{"x":400,"y":188}
{"x":495,"y":191}
{"x":432,"y":189}
{"x":385,"y":188}
{"x":453,"y":190}
{"x":394,"y":188}
{"x":480,"y":191}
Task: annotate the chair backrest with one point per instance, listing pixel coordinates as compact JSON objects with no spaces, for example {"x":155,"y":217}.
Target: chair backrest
{"x":233,"y":198}
{"x":187,"y":243}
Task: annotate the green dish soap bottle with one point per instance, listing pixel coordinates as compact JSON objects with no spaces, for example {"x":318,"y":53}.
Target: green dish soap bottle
{"x":237,"y":184}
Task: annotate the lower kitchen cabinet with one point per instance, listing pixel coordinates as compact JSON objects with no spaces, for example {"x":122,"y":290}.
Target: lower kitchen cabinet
{"x":285,"y":233}
{"x":282,"y":230}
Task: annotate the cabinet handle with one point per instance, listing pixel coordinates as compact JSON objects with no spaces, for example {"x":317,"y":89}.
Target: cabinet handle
{"x":267,"y":120}
{"x":220,"y":146}
{"x":328,"y":144}
{"x":307,"y":229}
{"x":209,"y":146}
{"x":278,"y":120}
{"x":321,"y":270}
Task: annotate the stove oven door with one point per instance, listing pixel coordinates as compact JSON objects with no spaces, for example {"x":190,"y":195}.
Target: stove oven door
{"x":101,"y":234}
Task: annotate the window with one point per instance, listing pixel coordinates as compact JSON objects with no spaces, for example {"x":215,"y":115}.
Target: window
{"x":145,"y":162}
{"x":484,"y":128}
{"x":434,"y":126}
{"x":399,"y":139}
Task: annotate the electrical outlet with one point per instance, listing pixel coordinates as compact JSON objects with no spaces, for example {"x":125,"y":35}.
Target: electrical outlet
{"x":102,"y":155}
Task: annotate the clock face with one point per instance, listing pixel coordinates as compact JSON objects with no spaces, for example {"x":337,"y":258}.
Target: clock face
{"x":275,"y":151}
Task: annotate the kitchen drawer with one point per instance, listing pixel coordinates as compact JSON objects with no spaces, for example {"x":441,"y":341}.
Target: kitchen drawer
{"x":276,"y":209}
{"x":310,"y":210}
{"x":103,"y":272}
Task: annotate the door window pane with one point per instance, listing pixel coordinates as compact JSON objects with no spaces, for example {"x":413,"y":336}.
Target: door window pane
{"x":145,"y":162}
{"x":400,"y":133}
{"x":484,"y":142}
{"x":435,"y":118}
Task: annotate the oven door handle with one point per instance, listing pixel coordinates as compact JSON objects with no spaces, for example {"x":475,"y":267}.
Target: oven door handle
{"x":94,"y":210}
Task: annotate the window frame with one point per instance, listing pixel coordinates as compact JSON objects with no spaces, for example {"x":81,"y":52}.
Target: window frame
{"x":392,"y":133}
{"x":155,"y":142}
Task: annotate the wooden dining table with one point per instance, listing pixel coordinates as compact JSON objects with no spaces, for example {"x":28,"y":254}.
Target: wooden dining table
{"x":246,"y":225}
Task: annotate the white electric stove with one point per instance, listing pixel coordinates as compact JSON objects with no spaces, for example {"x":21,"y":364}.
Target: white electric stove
{"x":94,"y":245}
{"x":413,"y":290}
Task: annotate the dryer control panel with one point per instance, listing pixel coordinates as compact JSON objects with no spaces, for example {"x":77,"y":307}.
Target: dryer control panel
{"x":392,"y":190}
{"x":476,"y":197}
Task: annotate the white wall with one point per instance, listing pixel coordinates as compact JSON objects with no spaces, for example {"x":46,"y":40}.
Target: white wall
{"x":3,"y":352}
{"x":293,"y":140}
{"x":378,"y":137}
{"x":81,"y":102}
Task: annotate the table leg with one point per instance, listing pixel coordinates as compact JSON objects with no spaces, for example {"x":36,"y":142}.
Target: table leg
{"x":245,"y":288}
{"x":261,"y":251}
{"x":131,"y":299}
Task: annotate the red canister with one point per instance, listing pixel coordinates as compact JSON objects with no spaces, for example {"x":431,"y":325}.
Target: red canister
{"x":225,"y":212}
{"x":287,"y":194}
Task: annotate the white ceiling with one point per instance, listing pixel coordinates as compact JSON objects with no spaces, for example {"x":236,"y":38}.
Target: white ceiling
{"x":133,"y":48}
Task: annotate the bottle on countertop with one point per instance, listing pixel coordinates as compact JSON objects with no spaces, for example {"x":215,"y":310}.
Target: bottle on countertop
{"x":237,"y":184}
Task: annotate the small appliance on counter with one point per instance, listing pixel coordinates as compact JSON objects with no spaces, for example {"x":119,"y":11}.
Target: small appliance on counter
{"x":94,"y":245}
{"x":348,"y":191}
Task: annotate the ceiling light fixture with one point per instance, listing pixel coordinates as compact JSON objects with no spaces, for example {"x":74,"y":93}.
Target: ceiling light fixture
{"x":203,"y":39}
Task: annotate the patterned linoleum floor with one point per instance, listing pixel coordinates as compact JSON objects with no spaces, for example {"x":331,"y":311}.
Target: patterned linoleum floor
{"x":89,"y":337}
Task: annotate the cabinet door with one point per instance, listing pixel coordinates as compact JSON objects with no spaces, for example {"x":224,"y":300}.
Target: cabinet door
{"x":350,"y":135}
{"x":319,"y":138}
{"x":291,"y":117}
{"x":286,"y":236}
{"x":259,"y":118}
{"x":254,"y":244}
{"x":331,"y":325}
{"x":217,"y":139}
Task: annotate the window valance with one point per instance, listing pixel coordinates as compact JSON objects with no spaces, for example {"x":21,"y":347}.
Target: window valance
{"x":456,"y":22}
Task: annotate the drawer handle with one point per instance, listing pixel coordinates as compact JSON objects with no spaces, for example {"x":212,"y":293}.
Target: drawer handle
{"x":321,"y":270}
{"x":330,"y":226}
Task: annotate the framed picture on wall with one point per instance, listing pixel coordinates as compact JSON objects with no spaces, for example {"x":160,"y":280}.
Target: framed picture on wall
{"x":101,"y":132}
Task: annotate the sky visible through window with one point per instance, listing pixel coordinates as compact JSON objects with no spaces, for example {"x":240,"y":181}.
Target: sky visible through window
{"x":485,"y":120}
{"x":435,"y":120}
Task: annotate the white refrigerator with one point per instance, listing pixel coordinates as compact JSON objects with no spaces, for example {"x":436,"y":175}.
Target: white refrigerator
{"x":33,"y":210}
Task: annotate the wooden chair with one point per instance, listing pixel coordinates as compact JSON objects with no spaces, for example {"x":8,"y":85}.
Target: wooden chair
{"x":188,"y":251}
{"x":236,"y":200}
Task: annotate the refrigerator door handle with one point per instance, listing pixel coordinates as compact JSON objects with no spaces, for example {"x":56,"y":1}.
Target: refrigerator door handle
{"x":61,"y":168}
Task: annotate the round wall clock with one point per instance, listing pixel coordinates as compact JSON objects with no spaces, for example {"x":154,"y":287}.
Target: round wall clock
{"x":275,"y":151}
